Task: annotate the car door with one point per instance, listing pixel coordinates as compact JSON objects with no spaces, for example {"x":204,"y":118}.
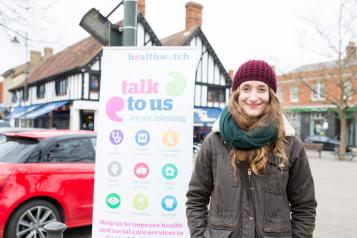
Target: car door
{"x":74,"y":161}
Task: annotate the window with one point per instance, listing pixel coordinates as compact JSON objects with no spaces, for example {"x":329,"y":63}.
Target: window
{"x":94,"y":80}
{"x":294,"y":94}
{"x":215,"y":94}
{"x":347,"y":90}
{"x":318,"y":92}
{"x":279,"y":94}
{"x":61,"y":86}
{"x":14,"y":97}
{"x":40,"y":91}
{"x":77,"y":150}
{"x":25,"y":96}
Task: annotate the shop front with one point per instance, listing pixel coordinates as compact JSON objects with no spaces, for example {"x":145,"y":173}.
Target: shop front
{"x":204,"y":118}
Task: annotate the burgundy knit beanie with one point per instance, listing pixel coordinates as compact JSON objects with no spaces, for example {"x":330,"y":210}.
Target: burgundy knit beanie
{"x":255,"y":70}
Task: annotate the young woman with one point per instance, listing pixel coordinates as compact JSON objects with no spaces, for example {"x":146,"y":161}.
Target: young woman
{"x":251,"y":170}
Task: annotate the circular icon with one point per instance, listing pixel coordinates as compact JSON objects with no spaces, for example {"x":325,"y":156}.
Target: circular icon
{"x":141,"y":202}
{"x":141,"y":170}
{"x":169,"y":171}
{"x":142,"y":137}
{"x":114,"y":169}
{"x":177,"y":85}
{"x":113,"y":200}
{"x":116,"y":137}
{"x":114,"y":105}
{"x":170,"y":138}
{"x":169,"y":203}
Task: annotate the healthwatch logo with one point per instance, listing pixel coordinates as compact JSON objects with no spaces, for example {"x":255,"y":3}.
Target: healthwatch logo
{"x":175,"y":87}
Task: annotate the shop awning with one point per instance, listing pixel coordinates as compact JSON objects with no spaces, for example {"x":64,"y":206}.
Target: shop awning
{"x":23,"y":111}
{"x":49,"y":107}
{"x":205,"y":116}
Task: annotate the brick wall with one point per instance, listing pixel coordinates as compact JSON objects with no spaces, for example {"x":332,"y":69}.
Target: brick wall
{"x":328,"y":77}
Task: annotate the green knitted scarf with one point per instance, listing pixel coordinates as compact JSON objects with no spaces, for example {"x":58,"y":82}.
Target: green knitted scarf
{"x":240,"y":139}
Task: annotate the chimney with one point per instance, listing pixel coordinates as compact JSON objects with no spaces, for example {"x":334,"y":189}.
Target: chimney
{"x":141,"y":7}
{"x":47,"y":52}
{"x":351,"y":50}
{"x":193,"y":15}
{"x":35,"y":58}
{"x":230,"y":73}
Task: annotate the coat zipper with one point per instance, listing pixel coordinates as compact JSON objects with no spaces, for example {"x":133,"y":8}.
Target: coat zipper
{"x":249,"y":174}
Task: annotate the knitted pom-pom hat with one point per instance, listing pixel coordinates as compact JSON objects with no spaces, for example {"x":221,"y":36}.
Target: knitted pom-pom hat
{"x":255,"y":70}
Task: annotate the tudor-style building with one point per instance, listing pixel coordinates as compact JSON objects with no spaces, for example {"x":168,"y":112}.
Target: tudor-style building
{"x":64,"y":90}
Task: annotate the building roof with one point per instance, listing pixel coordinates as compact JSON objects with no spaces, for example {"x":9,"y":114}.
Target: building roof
{"x":68,"y":59}
{"x":322,"y":65}
{"x":183,"y":38}
{"x":17,"y":70}
{"x":178,"y":39}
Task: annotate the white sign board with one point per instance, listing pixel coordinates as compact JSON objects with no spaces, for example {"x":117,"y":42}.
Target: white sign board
{"x":144,"y":142}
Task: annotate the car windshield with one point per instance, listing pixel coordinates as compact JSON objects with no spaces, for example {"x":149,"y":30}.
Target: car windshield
{"x":15,"y":150}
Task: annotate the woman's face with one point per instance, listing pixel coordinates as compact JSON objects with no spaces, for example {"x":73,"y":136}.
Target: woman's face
{"x":253,"y":97}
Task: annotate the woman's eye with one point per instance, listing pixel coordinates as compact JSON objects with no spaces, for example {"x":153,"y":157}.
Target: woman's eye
{"x":263,"y":90}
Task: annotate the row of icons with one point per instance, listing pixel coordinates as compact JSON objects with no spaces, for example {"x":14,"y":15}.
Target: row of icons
{"x":141,"y":202}
{"x":141,"y":170}
{"x":142,"y":137}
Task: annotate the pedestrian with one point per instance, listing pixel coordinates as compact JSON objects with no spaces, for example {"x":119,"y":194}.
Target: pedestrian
{"x":251,"y":170}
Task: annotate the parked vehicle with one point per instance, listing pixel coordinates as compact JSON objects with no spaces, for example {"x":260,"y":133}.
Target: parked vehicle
{"x":45,"y":176}
{"x":327,"y":143}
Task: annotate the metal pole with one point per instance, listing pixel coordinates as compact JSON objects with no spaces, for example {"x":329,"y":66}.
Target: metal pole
{"x":130,"y":23}
{"x":27,"y":65}
{"x":55,"y":229}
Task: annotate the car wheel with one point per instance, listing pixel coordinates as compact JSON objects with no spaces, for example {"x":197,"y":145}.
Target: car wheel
{"x":30,"y":218}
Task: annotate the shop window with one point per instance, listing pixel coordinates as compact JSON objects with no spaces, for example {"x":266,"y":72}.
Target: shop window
{"x":87,"y":120}
{"x":94,"y":80}
{"x":61,"y":87}
{"x":215,"y":94}
{"x":40,"y":91}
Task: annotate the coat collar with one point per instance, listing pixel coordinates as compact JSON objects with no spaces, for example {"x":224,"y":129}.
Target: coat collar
{"x":289,"y":130}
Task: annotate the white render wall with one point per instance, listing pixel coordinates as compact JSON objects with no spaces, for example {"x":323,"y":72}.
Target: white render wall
{"x":75,"y":109}
{"x":208,"y":72}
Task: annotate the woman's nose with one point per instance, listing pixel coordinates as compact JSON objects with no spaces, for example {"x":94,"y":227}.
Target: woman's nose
{"x":253,"y":96}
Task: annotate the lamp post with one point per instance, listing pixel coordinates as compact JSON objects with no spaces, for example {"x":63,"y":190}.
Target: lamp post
{"x":26,"y":71}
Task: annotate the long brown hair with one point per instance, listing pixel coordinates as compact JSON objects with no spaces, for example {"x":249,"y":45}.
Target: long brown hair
{"x":258,"y":158}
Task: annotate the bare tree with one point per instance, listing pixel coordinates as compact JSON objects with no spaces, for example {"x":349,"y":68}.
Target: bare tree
{"x":339,"y":76}
{"x":20,"y":16}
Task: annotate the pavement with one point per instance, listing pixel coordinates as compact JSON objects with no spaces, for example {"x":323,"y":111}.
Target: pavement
{"x":336,"y":195}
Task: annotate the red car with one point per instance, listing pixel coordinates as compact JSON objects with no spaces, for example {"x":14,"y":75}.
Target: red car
{"x":45,"y":176}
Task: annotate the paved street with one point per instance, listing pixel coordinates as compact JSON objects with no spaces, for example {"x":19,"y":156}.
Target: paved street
{"x":336,"y":192}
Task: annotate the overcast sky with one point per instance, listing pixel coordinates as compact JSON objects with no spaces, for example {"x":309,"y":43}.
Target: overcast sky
{"x":274,"y":30}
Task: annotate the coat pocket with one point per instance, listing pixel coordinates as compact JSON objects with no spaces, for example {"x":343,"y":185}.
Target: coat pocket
{"x":218,"y":231}
{"x":277,"y":228}
{"x":275,"y":179}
